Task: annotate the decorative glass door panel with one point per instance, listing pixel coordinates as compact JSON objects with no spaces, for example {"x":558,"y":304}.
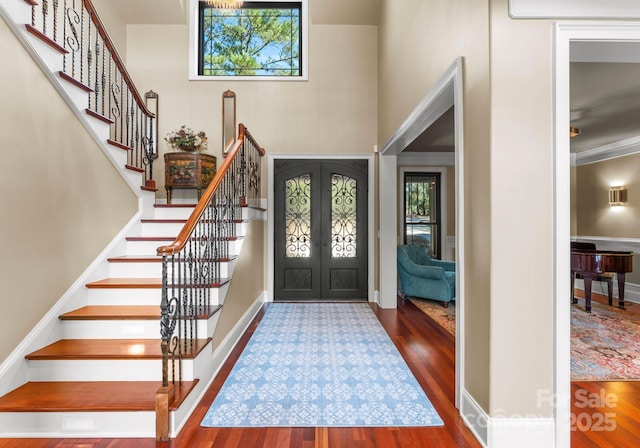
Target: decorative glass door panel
{"x":320,"y":235}
{"x":344,"y":230}
{"x":298,"y":217}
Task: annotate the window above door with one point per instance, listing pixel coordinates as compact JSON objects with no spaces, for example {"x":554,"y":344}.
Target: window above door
{"x":263,"y":40}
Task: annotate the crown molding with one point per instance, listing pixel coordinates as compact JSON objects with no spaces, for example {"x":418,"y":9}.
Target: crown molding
{"x":574,"y":9}
{"x":613,"y":150}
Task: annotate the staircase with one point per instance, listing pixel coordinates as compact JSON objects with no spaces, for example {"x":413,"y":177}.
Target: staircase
{"x":93,"y":366}
{"x":101,"y":376}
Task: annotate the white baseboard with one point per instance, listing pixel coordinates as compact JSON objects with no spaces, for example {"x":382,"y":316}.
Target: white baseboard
{"x":523,"y":432}
{"x":631,"y":290}
{"x":474,"y":416}
{"x":504,"y":431}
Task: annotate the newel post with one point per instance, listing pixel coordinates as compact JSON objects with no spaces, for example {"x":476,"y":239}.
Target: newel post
{"x":164,"y":397}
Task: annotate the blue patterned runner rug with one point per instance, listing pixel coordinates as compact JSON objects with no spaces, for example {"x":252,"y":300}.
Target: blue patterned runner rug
{"x":320,"y":364}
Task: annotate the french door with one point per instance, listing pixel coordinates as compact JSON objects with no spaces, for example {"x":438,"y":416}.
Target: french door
{"x":320,"y":222}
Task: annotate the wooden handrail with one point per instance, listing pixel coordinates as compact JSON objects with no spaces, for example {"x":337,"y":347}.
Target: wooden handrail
{"x":183,"y":237}
{"x":116,"y":57}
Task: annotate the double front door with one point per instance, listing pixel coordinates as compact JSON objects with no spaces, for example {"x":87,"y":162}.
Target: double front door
{"x":320,"y":241}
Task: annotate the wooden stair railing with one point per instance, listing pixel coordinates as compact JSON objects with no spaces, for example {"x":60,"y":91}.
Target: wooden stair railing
{"x":92,"y":63}
{"x":191,"y":264}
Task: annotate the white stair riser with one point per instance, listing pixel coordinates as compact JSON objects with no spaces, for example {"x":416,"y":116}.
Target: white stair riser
{"x":149,"y":269}
{"x":97,"y":370}
{"x":144,"y":247}
{"x":123,"y":329}
{"x":141,"y":296}
{"x":135,"y":296}
{"x":171,"y":229}
{"x":105,"y":370}
{"x":236,"y":246}
{"x":78,"y":424}
{"x":150,"y":247}
{"x":111,"y":329}
{"x":172,"y":212}
{"x":241,"y":228}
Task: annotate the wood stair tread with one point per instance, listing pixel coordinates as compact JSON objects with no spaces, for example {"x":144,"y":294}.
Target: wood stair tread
{"x":126,"y":283}
{"x":88,"y":396}
{"x":151,"y":283}
{"x":114,"y":312}
{"x":151,"y":259}
{"x":163,"y":221}
{"x":95,"y":349}
{"x":125,"y":312}
{"x":150,"y":238}
{"x":136,"y":259}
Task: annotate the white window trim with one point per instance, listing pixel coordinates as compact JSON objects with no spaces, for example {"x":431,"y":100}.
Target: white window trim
{"x":193,"y":47}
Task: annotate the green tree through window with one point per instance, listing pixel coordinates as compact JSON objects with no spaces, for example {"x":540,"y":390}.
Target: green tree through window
{"x":260,"y":39}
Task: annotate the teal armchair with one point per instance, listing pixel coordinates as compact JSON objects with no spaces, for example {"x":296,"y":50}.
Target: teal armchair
{"x":424,"y":277}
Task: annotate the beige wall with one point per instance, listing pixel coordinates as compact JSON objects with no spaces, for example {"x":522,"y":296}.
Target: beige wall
{"x":595,"y":217}
{"x":62,"y":200}
{"x":248,"y":282}
{"x":415,"y":50}
{"x":507,"y":97}
{"x":114,"y":25}
{"x":522,"y":179}
{"x":333,"y":112}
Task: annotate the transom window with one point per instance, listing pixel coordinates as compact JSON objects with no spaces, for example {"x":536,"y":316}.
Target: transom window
{"x":259,"y":40}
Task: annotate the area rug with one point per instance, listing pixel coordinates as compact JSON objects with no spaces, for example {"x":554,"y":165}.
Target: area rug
{"x":320,"y":364}
{"x":605,"y":344}
{"x":445,"y":317}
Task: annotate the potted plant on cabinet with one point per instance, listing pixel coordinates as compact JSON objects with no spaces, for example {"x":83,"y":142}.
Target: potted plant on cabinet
{"x":187,"y":166}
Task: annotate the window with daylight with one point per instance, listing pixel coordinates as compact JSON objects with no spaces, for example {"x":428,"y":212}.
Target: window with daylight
{"x":258,"y":40}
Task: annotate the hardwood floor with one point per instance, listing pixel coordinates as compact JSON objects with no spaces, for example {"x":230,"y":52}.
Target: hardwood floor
{"x":429,"y":352}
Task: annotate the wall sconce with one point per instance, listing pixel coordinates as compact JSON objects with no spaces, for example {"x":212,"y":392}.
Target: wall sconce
{"x":617,"y":196}
{"x":573,"y":132}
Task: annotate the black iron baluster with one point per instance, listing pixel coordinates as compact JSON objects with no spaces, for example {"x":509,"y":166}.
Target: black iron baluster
{"x":55,"y":20}
{"x":45,"y":13}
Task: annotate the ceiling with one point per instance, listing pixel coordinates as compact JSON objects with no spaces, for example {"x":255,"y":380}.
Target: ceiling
{"x":322,"y":12}
{"x":605,"y":99}
{"x":605,"y":93}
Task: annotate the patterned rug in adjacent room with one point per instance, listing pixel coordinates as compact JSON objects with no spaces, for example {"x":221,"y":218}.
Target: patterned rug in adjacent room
{"x":320,"y":364}
{"x":605,"y":344}
{"x":445,"y":317}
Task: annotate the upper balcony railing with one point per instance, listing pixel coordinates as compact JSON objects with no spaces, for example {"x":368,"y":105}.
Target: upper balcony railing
{"x":92,"y":62}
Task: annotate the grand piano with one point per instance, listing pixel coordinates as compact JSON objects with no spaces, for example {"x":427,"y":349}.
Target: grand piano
{"x":589,"y":263}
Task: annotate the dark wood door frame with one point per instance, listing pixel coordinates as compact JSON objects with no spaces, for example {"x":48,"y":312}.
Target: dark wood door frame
{"x":369,"y":158}
{"x":321,"y":228}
